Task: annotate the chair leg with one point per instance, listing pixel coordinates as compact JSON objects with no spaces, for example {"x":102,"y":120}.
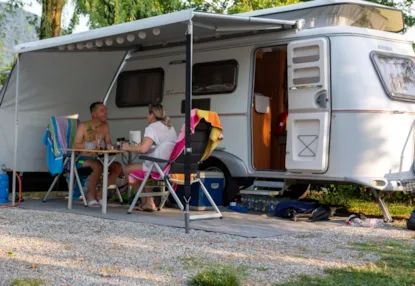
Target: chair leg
{"x":218,"y":214}
{"x":212,"y":202}
{"x":130,"y":188}
{"x":80,"y":187}
{"x":137,"y":195}
{"x":119,"y":194}
{"x":173,"y":193}
{"x":55,"y":181}
{"x":164,"y":198}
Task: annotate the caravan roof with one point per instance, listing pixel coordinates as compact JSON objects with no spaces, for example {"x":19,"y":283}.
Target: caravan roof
{"x":337,"y":13}
{"x":158,"y":30}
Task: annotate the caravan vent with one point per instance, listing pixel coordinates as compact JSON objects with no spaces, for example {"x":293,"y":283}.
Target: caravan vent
{"x":306,"y":76}
{"x":307,"y":54}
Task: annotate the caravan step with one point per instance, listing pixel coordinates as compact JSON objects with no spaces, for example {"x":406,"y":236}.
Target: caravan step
{"x":269,"y":184}
{"x":260,"y":192}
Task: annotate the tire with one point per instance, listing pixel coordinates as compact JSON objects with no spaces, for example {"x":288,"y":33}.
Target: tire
{"x":231,"y":187}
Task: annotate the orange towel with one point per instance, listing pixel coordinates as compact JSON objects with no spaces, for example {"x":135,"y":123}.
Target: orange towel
{"x":216,"y":135}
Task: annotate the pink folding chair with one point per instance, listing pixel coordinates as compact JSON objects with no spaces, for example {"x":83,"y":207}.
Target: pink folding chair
{"x":171,"y":172}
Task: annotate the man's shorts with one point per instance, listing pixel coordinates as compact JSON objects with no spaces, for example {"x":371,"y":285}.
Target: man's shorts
{"x":82,"y":159}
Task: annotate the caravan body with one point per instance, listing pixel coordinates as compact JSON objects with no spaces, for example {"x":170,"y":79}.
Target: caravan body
{"x":346,"y":81}
{"x":344,"y":123}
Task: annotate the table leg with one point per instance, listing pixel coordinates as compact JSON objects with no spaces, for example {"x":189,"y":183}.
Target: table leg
{"x":71,"y":180}
{"x":105,"y":184}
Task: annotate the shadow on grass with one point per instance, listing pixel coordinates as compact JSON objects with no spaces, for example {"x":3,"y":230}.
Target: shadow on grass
{"x":395,"y":267}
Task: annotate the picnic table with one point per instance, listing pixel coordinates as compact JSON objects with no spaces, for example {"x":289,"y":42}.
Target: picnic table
{"x":106,"y":163}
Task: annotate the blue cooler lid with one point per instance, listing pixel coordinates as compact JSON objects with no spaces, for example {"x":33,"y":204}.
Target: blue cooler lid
{"x":211,"y":175}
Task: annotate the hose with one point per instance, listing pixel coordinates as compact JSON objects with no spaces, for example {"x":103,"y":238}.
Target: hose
{"x":20,"y":192}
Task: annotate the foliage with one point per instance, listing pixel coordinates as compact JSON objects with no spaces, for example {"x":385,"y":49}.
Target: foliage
{"x":344,"y":193}
{"x":240,"y":6}
{"x":4,"y":73}
{"x":355,"y":199}
{"x":109,"y":12}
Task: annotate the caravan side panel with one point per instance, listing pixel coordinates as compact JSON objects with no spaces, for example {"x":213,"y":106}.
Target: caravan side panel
{"x":372,"y":135}
{"x":231,"y":107}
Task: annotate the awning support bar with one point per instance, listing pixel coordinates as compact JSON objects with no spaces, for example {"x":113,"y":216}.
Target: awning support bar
{"x":16,"y":130}
{"x":188,"y":109}
{"x":114,"y":79}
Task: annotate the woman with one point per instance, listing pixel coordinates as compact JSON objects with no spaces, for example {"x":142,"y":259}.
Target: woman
{"x":159,"y":140}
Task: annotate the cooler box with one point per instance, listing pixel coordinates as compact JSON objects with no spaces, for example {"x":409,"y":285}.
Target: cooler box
{"x":214,"y":183}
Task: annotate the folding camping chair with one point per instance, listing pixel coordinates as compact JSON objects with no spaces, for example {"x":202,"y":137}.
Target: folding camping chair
{"x":60,"y":133}
{"x":65,"y":140}
{"x":173,"y":172}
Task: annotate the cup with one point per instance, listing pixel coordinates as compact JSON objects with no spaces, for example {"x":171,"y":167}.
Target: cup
{"x":110,"y":147}
{"x":90,"y":145}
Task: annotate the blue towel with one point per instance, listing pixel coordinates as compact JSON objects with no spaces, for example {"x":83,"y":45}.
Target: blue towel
{"x":55,"y":163}
{"x":59,"y":134}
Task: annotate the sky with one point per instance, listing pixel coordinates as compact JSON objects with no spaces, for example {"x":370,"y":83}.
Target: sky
{"x":34,"y":7}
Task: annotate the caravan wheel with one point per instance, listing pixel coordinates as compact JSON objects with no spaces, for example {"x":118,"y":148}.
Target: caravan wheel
{"x":231,"y":187}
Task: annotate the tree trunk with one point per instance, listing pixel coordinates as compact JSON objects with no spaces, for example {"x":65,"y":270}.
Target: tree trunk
{"x":50,"y":24}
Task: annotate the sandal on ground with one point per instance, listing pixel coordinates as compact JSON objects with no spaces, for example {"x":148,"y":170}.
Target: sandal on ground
{"x":94,"y":204}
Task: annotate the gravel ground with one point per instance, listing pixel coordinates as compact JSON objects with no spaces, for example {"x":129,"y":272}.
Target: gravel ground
{"x":68,"y":249}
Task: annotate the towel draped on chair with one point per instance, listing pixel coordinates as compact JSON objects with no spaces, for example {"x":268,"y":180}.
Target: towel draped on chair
{"x":60,"y":134}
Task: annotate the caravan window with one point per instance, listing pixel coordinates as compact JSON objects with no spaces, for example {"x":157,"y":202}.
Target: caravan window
{"x":140,"y":88}
{"x":215,"y":77}
{"x":397,"y":74}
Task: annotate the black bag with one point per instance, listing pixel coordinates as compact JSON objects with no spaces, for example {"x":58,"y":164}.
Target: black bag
{"x":323,"y":213}
{"x":410,"y":223}
{"x":317,"y":214}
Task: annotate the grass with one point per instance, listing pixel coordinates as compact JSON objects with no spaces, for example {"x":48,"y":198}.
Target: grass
{"x":28,"y":282}
{"x":371,"y":209}
{"x":215,"y":273}
{"x":262,"y":269}
{"x":395,"y":267}
{"x":355,"y":199}
{"x":308,"y":235}
{"x":220,"y":277}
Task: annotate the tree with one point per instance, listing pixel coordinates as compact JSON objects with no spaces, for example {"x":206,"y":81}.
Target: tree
{"x":104,"y":13}
{"x":240,"y":6}
{"x":51,"y":20}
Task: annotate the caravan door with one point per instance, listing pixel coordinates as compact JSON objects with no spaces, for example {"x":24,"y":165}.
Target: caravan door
{"x":309,"y":106}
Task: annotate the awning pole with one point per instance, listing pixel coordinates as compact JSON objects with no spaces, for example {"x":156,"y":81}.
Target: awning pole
{"x":114,"y":79}
{"x":188,"y":147}
{"x":16,"y":130}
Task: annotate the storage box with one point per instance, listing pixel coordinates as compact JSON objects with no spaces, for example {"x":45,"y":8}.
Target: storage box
{"x":214,"y":183}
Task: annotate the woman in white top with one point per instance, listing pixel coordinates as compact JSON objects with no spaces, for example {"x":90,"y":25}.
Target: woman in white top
{"x":159,"y":140}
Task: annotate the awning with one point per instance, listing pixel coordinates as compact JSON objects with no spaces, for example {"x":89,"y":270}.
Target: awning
{"x":159,"y":30}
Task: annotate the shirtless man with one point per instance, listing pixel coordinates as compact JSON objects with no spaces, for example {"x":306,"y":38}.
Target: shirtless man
{"x":91,"y":131}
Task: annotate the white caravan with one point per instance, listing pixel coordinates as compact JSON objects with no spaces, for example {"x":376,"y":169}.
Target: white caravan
{"x":345,"y":76}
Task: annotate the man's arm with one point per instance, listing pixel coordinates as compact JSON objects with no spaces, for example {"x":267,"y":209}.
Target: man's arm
{"x":79,"y":138}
